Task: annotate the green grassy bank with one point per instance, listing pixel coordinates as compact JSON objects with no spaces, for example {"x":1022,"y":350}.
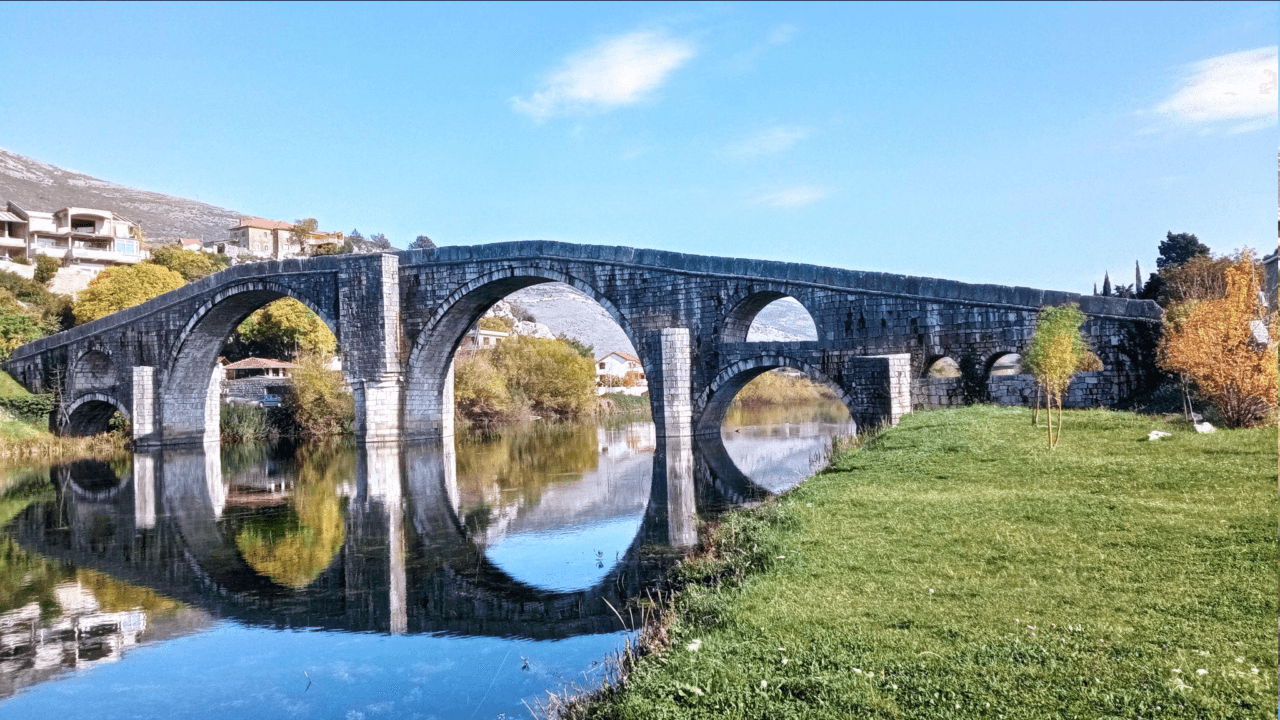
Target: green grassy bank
{"x":955,"y":567}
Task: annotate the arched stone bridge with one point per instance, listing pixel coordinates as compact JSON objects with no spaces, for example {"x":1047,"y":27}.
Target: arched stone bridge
{"x":399,"y":317}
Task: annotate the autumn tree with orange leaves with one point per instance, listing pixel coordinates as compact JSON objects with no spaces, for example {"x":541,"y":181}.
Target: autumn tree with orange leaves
{"x":1228,"y":347}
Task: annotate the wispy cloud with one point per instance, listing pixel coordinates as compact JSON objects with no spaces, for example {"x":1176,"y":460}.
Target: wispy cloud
{"x":770,"y":141}
{"x":618,"y":71}
{"x":1234,"y":92}
{"x":794,"y":197}
{"x":780,"y":35}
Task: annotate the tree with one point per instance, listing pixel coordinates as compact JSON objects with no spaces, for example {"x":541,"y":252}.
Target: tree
{"x":380,"y":240}
{"x":123,"y":287}
{"x":583,"y":349}
{"x":422,"y":242}
{"x":1203,"y":277}
{"x":190,"y":264}
{"x":320,"y":402}
{"x":46,"y":268}
{"x":20,"y":323}
{"x":1056,"y":352}
{"x":304,"y":229}
{"x":479,"y":388}
{"x":1177,"y":249}
{"x":1220,"y":344}
{"x":285,"y":328}
{"x":552,"y":376}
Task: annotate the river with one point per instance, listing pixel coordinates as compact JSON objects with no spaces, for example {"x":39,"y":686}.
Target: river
{"x":455,"y":580}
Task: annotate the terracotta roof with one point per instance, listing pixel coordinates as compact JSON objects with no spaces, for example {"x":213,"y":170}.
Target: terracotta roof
{"x":189,"y":241}
{"x":259,"y":364}
{"x":625,"y":356}
{"x":265,"y":224}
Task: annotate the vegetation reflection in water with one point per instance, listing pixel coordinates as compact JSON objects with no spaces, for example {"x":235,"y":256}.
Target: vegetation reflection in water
{"x":291,"y":538}
{"x":289,"y":514}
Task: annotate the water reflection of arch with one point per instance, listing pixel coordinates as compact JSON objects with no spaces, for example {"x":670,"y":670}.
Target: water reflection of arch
{"x":406,"y":563}
{"x":493,"y":603}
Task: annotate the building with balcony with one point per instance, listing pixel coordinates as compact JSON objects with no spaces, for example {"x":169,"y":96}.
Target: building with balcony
{"x":82,"y":237}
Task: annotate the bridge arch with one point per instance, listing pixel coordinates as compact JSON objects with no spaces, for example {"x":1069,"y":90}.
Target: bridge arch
{"x":189,"y":406}
{"x":90,"y":414}
{"x":721,"y":391}
{"x":427,"y":411}
{"x":743,"y":310}
{"x":94,"y":368}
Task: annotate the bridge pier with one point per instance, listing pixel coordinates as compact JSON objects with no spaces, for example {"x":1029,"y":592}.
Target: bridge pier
{"x":674,"y":416}
{"x":145,"y":413}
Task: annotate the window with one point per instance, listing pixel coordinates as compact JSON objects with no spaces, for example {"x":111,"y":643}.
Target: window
{"x":127,"y":247}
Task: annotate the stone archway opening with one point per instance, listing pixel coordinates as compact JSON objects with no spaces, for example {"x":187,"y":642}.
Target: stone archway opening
{"x":769,"y":316}
{"x":1005,"y":364}
{"x":198,"y":386}
{"x":520,"y":344}
{"x":91,"y":415}
{"x":769,"y":423}
{"x":942,"y":368}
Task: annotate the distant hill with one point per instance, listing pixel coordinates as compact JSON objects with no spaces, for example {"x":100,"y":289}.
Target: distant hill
{"x":164,"y":218}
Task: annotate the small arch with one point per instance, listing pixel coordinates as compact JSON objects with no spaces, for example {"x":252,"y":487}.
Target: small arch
{"x":771,"y":308}
{"x":720,"y":393}
{"x":941,"y":367}
{"x":91,"y":415}
{"x":1004,"y":364}
{"x":94,"y":369}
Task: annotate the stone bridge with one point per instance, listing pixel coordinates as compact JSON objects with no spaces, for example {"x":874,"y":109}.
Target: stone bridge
{"x":399,"y":317}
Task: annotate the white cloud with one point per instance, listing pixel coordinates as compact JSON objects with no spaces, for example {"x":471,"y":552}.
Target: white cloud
{"x":1237,"y":89}
{"x":768,"y":142}
{"x":794,"y":197}
{"x":615,"y":72}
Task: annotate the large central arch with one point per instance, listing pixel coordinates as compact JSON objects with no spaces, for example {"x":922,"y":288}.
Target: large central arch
{"x":188,"y":405}
{"x":428,"y":385}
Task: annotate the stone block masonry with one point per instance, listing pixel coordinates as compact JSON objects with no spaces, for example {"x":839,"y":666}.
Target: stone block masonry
{"x":399,"y":318}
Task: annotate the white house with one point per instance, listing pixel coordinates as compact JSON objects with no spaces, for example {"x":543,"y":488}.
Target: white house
{"x":620,"y":365}
{"x":480,"y":338}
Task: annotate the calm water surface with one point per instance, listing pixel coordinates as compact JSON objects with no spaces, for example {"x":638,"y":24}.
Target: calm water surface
{"x":451,"y":580}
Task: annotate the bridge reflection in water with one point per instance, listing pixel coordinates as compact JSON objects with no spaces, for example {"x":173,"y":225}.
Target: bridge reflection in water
{"x":503,"y":542}
{"x":403,"y":560}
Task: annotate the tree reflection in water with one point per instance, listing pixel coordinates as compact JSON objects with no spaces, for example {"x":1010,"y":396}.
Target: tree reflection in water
{"x":294,"y":541}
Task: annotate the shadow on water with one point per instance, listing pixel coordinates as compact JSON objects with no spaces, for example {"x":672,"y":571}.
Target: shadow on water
{"x":531,"y":535}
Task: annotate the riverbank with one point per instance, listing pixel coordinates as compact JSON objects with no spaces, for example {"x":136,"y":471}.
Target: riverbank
{"x":954,"y":567}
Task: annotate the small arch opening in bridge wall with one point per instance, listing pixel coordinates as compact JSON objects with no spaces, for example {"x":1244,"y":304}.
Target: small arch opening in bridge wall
{"x":769,"y":316}
{"x":942,"y":368}
{"x":464,"y":354}
{"x":1005,"y":364}
{"x":90,"y":415}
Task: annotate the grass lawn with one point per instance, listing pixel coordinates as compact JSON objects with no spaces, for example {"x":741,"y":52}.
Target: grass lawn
{"x":955,"y":567}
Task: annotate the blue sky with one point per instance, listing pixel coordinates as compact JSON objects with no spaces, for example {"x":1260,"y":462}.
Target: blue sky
{"x":1036,"y":145}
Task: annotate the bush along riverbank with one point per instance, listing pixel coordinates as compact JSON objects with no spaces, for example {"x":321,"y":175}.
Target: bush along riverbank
{"x":954,"y":567}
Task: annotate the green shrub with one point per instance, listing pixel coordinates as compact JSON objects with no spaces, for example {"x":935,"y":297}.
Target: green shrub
{"x":46,"y":268}
{"x":320,"y":402}
{"x":240,"y":423}
{"x":20,"y":260}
